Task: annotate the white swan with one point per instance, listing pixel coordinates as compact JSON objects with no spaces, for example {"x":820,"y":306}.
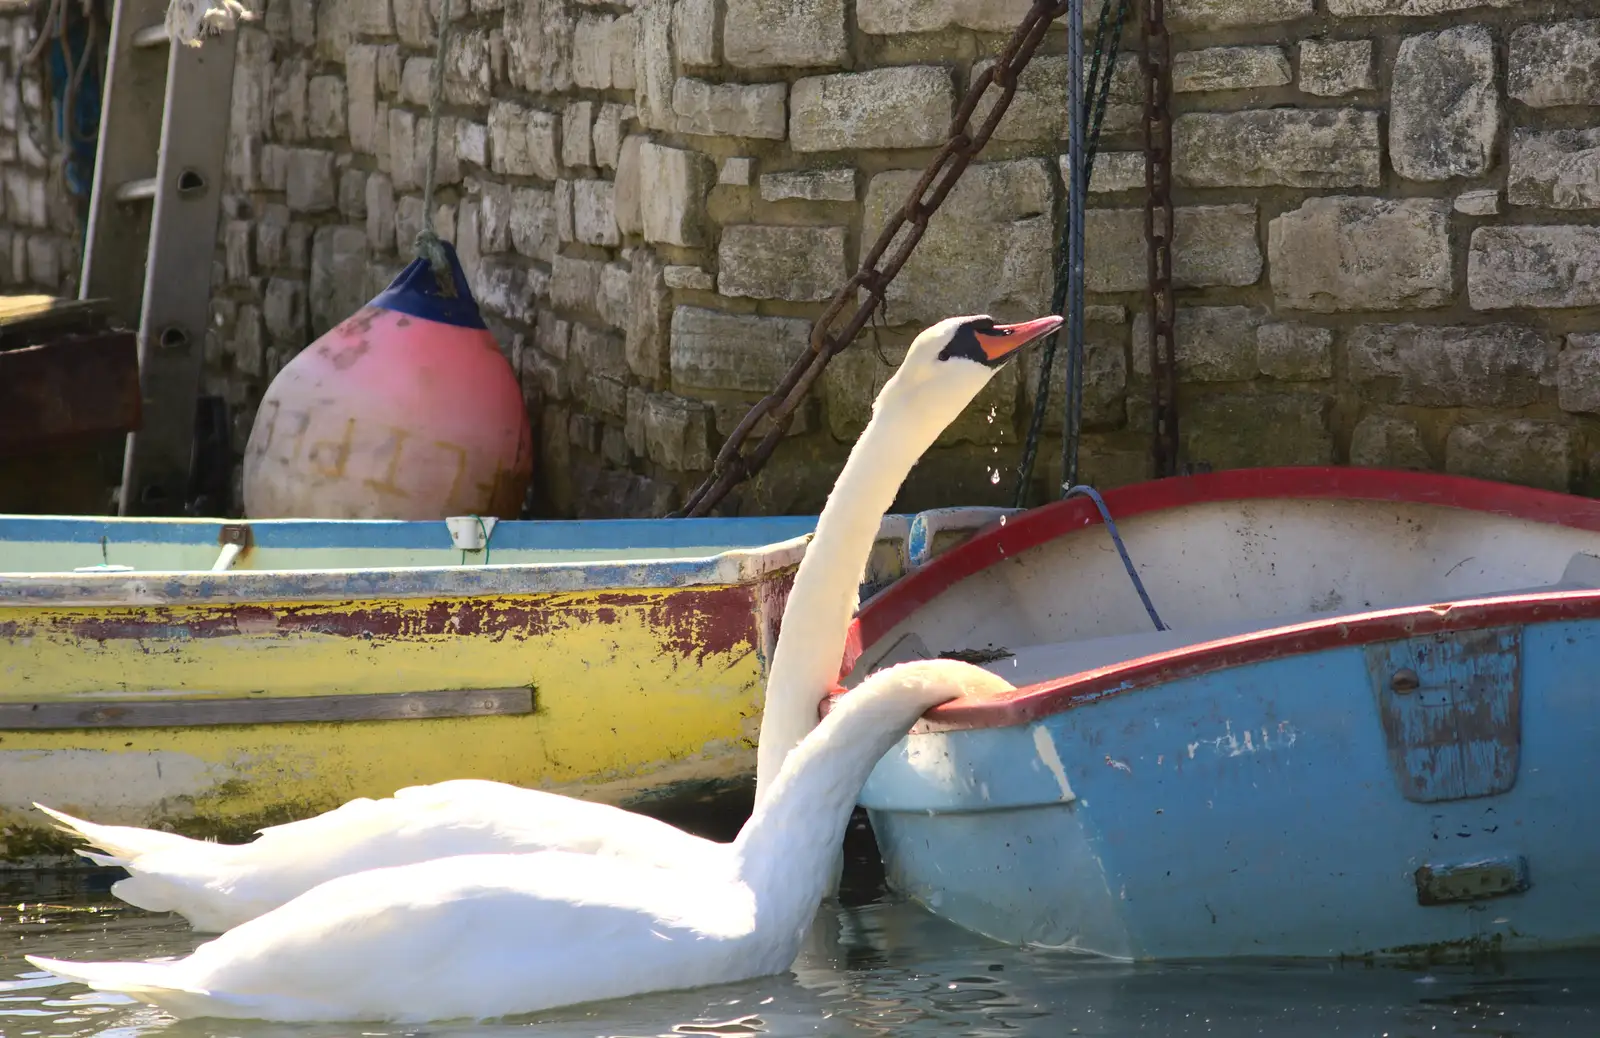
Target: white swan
{"x":490,"y":935}
{"x":218,"y":886}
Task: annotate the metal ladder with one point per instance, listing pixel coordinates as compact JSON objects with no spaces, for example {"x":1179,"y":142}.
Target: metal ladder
{"x":152,"y":231}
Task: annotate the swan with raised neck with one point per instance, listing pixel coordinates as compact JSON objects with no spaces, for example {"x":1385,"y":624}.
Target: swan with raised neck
{"x":219,"y":886}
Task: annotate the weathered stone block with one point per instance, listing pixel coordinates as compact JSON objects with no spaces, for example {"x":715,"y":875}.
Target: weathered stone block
{"x":284,"y":308}
{"x":594,"y":218}
{"x":650,"y":307}
{"x":730,"y":109}
{"x":591,"y":52}
{"x":1295,"y":352}
{"x":522,"y":141}
{"x":624,"y":35}
{"x":532,"y":223}
{"x":1498,"y":365}
{"x":886,"y":17}
{"x":1113,"y":171}
{"x":353,"y":193}
{"x":1212,"y":245}
{"x":615,"y":301}
{"x":1334,"y":68}
{"x":312,"y":186}
{"x":1224,"y":14}
{"x":1480,"y":202}
{"x":1036,"y":112}
{"x":1548,"y":267}
{"x":1555,"y":169}
{"x":1555,"y":64}
{"x":736,"y":171}
{"x":596,"y":353}
{"x":289,"y":82}
{"x":1277,"y":146}
{"x":1516,"y":450}
{"x":1211,"y":343}
{"x":672,"y":211}
{"x":688,"y":277}
{"x":577,"y":135}
{"x":1229,"y":68}
{"x":539,"y":45}
{"x":1346,"y":253}
{"x":1413,"y":8}
{"x":694,"y":31}
{"x":654,"y":68}
{"x":607,"y":135}
{"x":813,"y":185}
{"x":712,"y":350}
{"x":987,"y":250}
{"x":327,"y":106}
{"x":630,"y":216}
{"x":1578,"y":374}
{"x":1382,"y":442}
{"x":415,"y":80}
{"x":777,"y":33}
{"x":803,"y":264}
{"x":1444,"y":108}
{"x":338,"y":273}
{"x":898,"y":107}
{"x":1236,"y":430}
{"x":494,"y":212}
{"x":380,"y":211}
{"x":675,"y":432}
{"x":239,"y":260}
{"x":563,"y":199}
{"x":361,"y":89}
{"x":472,"y":142}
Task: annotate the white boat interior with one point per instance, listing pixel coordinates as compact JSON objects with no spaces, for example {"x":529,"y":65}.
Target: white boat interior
{"x":1223,"y":568}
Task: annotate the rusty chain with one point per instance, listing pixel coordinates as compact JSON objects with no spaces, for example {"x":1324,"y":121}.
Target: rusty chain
{"x":1156,"y":65}
{"x":732,"y":467}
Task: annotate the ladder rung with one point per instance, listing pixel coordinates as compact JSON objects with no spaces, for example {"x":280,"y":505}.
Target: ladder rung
{"x":152,"y":36}
{"x":137,"y":190}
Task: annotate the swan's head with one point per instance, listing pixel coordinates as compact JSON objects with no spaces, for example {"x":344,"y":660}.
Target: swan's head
{"x":950,"y":362}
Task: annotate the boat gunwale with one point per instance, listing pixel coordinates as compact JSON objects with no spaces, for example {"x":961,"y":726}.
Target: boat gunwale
{"x":1041,"y":525}
{"x":736,"y":566}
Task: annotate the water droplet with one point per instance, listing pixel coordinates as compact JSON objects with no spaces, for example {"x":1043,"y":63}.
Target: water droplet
{"x":994,"y":477}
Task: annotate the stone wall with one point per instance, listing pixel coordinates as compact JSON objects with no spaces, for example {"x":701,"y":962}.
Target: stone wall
{"x":1387,"y":246}
{"x":39,"y":237}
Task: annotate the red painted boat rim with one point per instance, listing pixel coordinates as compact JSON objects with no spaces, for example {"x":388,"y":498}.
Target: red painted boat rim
{"x":1047,"y":522}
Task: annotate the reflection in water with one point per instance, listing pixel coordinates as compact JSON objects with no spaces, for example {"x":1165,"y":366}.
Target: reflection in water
{"x":872,"y":965}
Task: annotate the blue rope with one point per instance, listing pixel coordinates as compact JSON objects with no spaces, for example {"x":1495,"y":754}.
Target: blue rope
{"x":1092,"y":494}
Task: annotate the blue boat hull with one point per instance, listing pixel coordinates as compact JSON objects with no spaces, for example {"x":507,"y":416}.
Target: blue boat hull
{"x":1309,"y":805}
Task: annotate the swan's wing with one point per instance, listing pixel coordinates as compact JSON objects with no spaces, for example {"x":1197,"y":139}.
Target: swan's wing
{"x":474,"y":936}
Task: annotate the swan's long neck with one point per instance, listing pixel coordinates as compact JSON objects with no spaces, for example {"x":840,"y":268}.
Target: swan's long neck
{"x":816,"y":620}
{"x":787,"y":849}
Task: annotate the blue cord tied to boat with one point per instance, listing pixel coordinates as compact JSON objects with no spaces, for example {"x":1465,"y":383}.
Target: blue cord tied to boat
{"x":1092,"y":494}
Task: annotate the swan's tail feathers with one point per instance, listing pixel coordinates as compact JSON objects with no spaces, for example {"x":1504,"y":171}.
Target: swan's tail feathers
{"x":156,"y":983}
{"x":121,"y":842}
{"x":102,"y":859}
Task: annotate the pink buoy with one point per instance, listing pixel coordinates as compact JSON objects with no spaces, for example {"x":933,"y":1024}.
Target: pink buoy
{"x":407,"y":410}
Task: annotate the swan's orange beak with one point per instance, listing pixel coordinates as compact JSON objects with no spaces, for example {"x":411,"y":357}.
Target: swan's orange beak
{"x":1004,"y":339}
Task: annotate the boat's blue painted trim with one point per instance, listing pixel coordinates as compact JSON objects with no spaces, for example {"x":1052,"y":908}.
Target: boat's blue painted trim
{"x":541,"y":534}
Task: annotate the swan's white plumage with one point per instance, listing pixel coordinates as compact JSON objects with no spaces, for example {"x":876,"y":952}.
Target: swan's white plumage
{"x":492,"y":935}
{"x":220,"y":886}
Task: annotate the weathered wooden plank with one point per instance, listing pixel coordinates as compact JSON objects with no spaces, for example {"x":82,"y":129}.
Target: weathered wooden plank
{"x":79,"y":386}
{"x":188,"y":713}
{"x":34,"y":319}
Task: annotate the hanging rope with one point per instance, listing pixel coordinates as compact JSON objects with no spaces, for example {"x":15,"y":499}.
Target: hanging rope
{"x":1084,"y":490}
{"x":428,"y":245}
{"x":1101,"y":68}
{"x":69,"y":72}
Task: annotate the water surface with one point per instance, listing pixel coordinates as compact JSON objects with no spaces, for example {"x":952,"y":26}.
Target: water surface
{"x":873,"y":965}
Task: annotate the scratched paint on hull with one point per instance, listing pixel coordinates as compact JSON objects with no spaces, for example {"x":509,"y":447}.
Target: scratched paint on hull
{"x":633,"y":691}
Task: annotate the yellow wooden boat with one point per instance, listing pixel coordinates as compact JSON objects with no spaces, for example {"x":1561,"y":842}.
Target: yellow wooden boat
{"x":212,"y":677}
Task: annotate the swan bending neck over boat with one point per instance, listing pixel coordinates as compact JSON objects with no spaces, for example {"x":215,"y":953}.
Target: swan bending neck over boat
{"x":219,"y":886}
{"x":918,"y":403}
{"x":490,"y":935}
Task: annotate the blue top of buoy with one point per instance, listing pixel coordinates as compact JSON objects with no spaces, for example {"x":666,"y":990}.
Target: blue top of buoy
{"x":416,"y":293}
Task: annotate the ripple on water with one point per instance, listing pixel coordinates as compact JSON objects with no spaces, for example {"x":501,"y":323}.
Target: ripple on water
{"x":874,"y":967}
